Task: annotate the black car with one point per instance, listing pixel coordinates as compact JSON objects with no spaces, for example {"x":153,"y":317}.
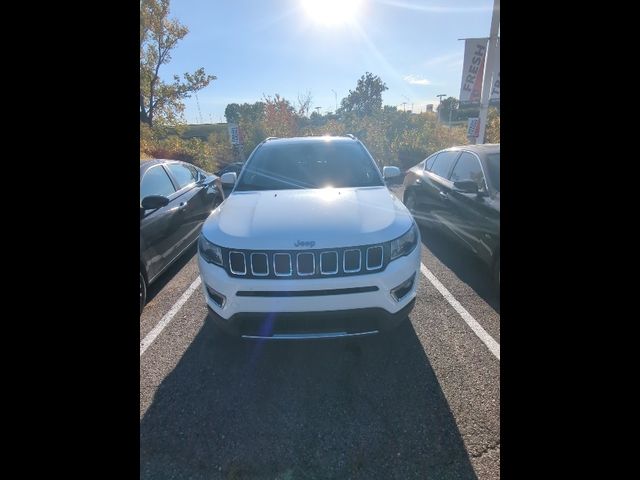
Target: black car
{"x":458,"y":190}
{"x":175,"y":200}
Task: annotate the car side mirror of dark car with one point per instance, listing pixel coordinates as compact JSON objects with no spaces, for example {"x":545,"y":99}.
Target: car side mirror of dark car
{"x":466,"y":186}
{"x":152,"y":202}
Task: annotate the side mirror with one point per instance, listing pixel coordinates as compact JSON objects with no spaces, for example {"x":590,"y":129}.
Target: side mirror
{"x":228,"y":179}
{"x":466,"y":186}
{"x":153,"y":202}
{"x":390,"y":172}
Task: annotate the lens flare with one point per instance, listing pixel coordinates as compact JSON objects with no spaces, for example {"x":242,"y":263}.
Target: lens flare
{"x":332,"y":13}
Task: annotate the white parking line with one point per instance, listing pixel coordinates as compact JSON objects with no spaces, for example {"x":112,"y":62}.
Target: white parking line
{"x":492,"y":345}
{"x":153,"y":334}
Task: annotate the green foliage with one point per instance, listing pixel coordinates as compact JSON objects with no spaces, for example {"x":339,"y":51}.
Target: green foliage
{"x":458,"y":112}
{"x":366,"y":99}
{"x":280,"y":118}
{"x":162,"y":102}
{"x":249,"y":117}
{"x":492,"y":132}
{"x":158,"y":142}
{"x":392,"y":137}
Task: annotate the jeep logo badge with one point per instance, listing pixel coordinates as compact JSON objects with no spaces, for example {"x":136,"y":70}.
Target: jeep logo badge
{"x":303,"y":243}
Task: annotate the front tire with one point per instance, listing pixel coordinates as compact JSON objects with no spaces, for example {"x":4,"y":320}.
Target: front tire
{"x":143,"y":292}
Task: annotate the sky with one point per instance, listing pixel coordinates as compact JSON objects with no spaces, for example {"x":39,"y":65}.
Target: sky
{"x":291,"y":47}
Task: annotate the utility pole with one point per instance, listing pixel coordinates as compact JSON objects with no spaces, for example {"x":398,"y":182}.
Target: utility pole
{"x":318,"y":110}
{"x":487,"y":80}
{"x":440,"y":99}
{"x":450,"y":110}
{"x":336,"y":96}
{"x":403,"y":106}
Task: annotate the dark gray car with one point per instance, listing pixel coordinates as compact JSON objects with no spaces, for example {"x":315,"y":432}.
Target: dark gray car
{"x":175,"y":200}
{"x":458,"y":191}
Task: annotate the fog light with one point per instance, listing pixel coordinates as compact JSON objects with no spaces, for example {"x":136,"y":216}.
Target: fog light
{"x":401,"y":290}
{"x":217,"y":297}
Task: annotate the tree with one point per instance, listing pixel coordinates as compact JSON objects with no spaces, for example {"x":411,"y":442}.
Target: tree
{"x":161,"y":101}
{"x":447,"y":109}
{"x":366,"y":99}
{"x":304,"y":104}
{"x":492,"y":132}
{"x":249,"y":117}
{"x":280,"y":119}
{"x":247,"y":112}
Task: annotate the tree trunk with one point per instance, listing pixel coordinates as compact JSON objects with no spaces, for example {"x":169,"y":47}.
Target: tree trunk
{"x":144,"y":117}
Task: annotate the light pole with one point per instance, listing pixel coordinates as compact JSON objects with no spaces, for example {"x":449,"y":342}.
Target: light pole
{"x":336,"y":96}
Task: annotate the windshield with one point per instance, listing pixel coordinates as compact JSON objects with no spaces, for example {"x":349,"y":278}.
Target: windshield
{"x":319,"y":164}
{"x":493,"y":162}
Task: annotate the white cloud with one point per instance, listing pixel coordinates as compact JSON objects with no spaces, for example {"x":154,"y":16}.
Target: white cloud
{"x":415,"y":80}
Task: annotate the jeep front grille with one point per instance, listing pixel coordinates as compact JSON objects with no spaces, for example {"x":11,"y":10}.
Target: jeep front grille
{"x":320,"y":263}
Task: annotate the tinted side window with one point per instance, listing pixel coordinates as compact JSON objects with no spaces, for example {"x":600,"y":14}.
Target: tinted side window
{"x":493,"y":164}
{"x":156,"y":182}
{"x":443,"y":163}
{"x":430,"y":160}
{"x":468,"y":168}
{"x":183,"y":175}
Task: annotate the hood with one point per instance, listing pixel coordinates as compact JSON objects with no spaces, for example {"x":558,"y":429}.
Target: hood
{"x":321,"y":218}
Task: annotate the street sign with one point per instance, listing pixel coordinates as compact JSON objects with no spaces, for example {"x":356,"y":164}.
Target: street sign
{"x":473,"y":127}
{"x":234,"y":134}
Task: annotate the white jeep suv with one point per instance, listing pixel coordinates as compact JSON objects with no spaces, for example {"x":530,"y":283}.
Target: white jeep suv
{"x":309,"y":244}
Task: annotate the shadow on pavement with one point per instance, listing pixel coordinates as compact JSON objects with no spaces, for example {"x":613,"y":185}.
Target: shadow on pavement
{"x":166,"y":276}
{"x":370,"y":408}
{"x":463,"y":263}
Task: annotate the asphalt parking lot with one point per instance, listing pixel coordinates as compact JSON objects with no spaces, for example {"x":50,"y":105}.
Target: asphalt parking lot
{"x":420,"y":403}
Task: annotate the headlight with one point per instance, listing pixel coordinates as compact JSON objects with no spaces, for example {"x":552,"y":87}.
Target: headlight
{"x":210,"y":252}
{"x":405,"y":244}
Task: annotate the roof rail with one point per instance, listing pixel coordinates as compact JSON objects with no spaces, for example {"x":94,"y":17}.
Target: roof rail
{"x":269,"y":138}
{"x":351,"y":135}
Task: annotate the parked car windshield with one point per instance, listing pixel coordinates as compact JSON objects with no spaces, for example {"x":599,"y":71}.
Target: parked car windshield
{"x":319,"y":164}
{"x":493,"y":162}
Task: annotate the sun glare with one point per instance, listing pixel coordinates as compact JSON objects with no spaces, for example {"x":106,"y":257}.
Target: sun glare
{"x":332,"y":13}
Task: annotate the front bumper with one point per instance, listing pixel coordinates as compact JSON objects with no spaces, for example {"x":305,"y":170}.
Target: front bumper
{"x":338,"y":311}
{"x":311,"y":325}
